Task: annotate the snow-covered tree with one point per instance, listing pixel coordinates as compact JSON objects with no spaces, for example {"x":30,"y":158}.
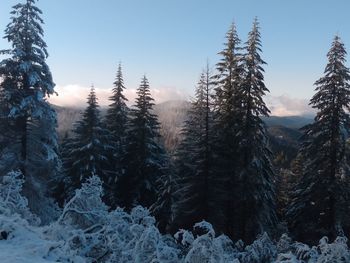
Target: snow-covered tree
{"x":195,"y":198}
{"x":87,"y":232}
{"x":162,"y":208}
{"x":116,"y":118}
{"x":83,"y":222}
{"x":87,"y":152}
{"x":86,"y":207}
{"x":11,"y":199}
{"x":60,"y":184}
{"x":31,"y":139}
{"x":205,"y":246}
{"x":145,"y":156}
{"x":320,"y":204}
{"x":227,"y":80}
{"x":255,"y":206}
{"x":116,"y":122}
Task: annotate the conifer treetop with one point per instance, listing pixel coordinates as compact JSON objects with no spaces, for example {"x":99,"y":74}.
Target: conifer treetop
{"x":92,"y":113}
{"x":253,"y":86}
{"x":92,"y":99}
{"x":26,"y":62}
{"x":118,"y":86}
{"x":336,"y":77}
{"x":230,"y":54}
{"x":144,"y":100}
{"x":116,"y":117}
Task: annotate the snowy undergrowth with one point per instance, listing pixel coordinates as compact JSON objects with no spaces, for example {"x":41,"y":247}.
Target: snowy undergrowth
{"x":87,"y":232}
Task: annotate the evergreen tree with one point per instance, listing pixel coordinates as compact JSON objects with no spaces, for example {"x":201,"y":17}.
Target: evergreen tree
{"x":28,"y":120}
{"x":320,"y":204}
{"x":162,"y":208}
{"x":145,"y":156}
{"x":9,"y":160}
{"x":87,"y":151}
{"x":116,"y":122}
{"x":59,"y":185}
{"x":195,"y":198}
{"x":255,"y":208}
{"x":226,"y":120}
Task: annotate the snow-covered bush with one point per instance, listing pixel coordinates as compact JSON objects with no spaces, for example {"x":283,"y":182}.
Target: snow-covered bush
{"x":337,"y":251}
{"x":134,"y":238}
{"x":87,"y":232}
{"x":82,"y":223}
{"x":262,"y":250}
{"x":324,"y":252}
{"x":287,"y":258}
{"x":86,"y":208}
{"x":206,"y":247}
{"x":90,"y":231}
{"x":11,"y":199}
{"x":284,"y":244}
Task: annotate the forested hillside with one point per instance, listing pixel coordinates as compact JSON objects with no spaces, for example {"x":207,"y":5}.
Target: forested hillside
{"x":172,"y":115}
{"x":214,"y":179}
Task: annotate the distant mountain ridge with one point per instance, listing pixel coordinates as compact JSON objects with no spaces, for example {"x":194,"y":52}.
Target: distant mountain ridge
{"x":172,"y":115}
{"x":295,"y":122}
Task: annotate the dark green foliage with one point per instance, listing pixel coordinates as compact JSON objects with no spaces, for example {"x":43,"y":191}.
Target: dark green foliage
{"x":59,"y":185}
{"x":162,"y":208}
{"x":227,"y":81}
{"x":195,"y":198}
{"x":116,"y":123}
{"x":255,"y":174}
{"x":145,"y":156}
{"x":86,"y":152}
{"x":284,"y":143}
{"x":244,"y":174}
{"x":116,"y":117}
{"x":320,"y":204}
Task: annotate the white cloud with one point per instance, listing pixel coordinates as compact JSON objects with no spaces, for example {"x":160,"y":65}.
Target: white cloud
{"x":75,"y":95}
{"x":285,"y":105}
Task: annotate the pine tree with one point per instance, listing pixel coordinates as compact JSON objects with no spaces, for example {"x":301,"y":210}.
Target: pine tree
{"x":116,"y":117}
{"x":116,"y":122}
{"x":7,"y":127}
{"x":320,"y":202}
{"x":226,"y":120}
{"x":59,"y":185}
{"x":162,"y":208}
{"x":255,"y":207}
{"x":195,"y":198}
{"x":87,"y":151}
{"x":29,"y":119}
{"x":145,"y":156}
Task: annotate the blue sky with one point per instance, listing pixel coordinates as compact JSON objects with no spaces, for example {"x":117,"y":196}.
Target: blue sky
{"x":170,"y":40}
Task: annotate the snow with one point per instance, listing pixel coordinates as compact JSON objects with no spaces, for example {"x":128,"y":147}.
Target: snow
{"x":25,"y":243}
{"x":87,"y":232}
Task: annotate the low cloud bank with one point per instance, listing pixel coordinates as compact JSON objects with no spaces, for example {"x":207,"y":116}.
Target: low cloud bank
{"x":75,"y":96}
{"x":285,"y":105}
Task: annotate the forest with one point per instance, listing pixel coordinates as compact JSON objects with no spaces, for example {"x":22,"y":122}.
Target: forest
{"x":110,"y":190}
